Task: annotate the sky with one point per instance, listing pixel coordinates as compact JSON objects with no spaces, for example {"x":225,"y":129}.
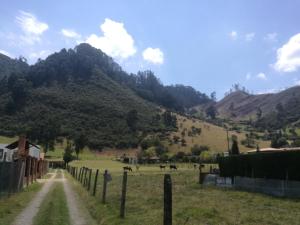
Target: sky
{"x":209,"y":44}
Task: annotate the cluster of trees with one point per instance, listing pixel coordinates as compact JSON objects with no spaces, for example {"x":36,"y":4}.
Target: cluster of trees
{"x":83,"y":89}
{"x":177,"y":97}
{"x":236,"y":87}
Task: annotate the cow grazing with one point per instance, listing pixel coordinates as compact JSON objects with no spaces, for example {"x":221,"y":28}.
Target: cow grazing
{"x":173,"y":167}
{"x":127,"y":168}
{"x":162,"y":167}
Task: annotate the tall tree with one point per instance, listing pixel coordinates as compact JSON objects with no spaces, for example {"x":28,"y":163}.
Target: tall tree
{"x":235,"y":148}
{"x":80,"y":142}
{"x":211,"y":112}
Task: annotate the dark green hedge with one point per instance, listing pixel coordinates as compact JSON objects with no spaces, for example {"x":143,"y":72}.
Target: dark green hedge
{"x":272,"y":165}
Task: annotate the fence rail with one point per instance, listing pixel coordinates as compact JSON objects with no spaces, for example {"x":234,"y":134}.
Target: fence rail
{"x":15,"y":175}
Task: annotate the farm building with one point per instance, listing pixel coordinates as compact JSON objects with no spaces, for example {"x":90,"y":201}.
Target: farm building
{"x":273,"y":150}
{"x":18,"y":149}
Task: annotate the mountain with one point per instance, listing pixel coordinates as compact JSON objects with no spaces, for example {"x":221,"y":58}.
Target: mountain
{"x":74,"y":92}
{"x":83,"y":93}
{"x":273,"y":110}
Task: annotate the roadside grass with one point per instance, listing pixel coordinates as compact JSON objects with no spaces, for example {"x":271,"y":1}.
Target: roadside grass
{"x":192,"y":204}
{"x":54,"y":209}
{"x":11,"y":206}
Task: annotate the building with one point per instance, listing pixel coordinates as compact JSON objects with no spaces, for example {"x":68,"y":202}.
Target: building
{"x":19,"y":149}
{"x":273,"y":150}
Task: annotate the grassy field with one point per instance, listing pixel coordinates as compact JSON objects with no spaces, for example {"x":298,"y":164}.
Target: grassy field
{"x":213,"y":136}
{"x":192,"y":204}
{"x":54,"y":209}
{"x":11,"y":206}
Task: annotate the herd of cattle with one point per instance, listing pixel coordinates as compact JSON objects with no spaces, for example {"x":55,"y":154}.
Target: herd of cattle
{"x":162,"y":167}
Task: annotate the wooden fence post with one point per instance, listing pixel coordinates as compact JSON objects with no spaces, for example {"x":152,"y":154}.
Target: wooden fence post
{"x":95,"y":183}
{"x":167,"y":200}
{"x":123,"y":196}
{"x":200,"y":172}
{"x":85,"y":178}
{"x":89,"y":182}
{"x":81,"y":176}
{"x":104,"y":187}
{"x":78,"y":178}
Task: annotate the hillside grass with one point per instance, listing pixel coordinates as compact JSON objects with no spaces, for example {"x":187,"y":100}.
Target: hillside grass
{"x":54,"y":209}
{"x":11,"y":206}
{"x":213,"y":136}
{"x":192,"y":203}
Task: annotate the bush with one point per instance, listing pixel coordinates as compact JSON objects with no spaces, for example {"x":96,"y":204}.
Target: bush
{"x":198,"y":149}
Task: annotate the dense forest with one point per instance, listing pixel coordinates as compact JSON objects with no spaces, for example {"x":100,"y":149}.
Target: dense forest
{"x":82,"y":93}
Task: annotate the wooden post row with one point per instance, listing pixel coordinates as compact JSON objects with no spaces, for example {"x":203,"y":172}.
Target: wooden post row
{"x":95,"y":183}
{"x":104,"y":187}
{"x":123,"y":196}
{"x":167,"y":200}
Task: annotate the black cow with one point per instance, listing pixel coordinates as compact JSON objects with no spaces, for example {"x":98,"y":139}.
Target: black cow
{"x":162,"y":167}
{"x":127,"y":168}
{"x":173,"y":167}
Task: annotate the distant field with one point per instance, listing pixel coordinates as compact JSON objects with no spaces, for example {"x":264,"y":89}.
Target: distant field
{"x":116,"y":166}
{"x":7,"y":140}
{"x":192,"y":204}
{"x":213,"y":136}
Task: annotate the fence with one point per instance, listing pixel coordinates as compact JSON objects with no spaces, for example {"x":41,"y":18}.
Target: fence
{"x":15,"y":175}
{"x":84,"y":176}
{"x":282,"y":188}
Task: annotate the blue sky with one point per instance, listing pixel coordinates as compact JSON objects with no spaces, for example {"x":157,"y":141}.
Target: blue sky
{"x":205,"y":44}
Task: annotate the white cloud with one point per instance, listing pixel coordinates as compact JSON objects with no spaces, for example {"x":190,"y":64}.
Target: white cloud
{"x":248,"y":76}
{"x":31,"y":27}
{"x":6,"y":53}
{"x":233,"y":35}
{"x":249,"y":36}
{"x":69,"y":33}
{"x":41,"y":54}
{"x":116,"y":41}
{"x":261,"y":76}
{"x":296,"y":82}
{"x":270,"y":91}
{"x":288,"y":56}
{"x":271,"y":37}
{"x":153,"y":55}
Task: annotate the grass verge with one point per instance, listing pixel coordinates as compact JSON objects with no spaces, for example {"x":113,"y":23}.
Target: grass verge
{"x":11,"y":206}
{"x":192,"y":204}
{"x":54,"y":209}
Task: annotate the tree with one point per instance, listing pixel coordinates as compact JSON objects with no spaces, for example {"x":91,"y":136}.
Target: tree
{"x":211,"y":112}
{"x":213,"y":96}
{"x":198,"y":149}
{"x":258,"y":113}
{"x":169,"y":119}
{"x":80,"y":142}
{"x":67,"y":157}
{"x":278,"y":142}
{"x":132,"y":119}
{"x":45,"y":131}
{"x":235,"y":146}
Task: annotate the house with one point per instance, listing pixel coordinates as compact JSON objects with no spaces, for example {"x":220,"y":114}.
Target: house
{"x":18,"y":149}
{"x":3,"y":153}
